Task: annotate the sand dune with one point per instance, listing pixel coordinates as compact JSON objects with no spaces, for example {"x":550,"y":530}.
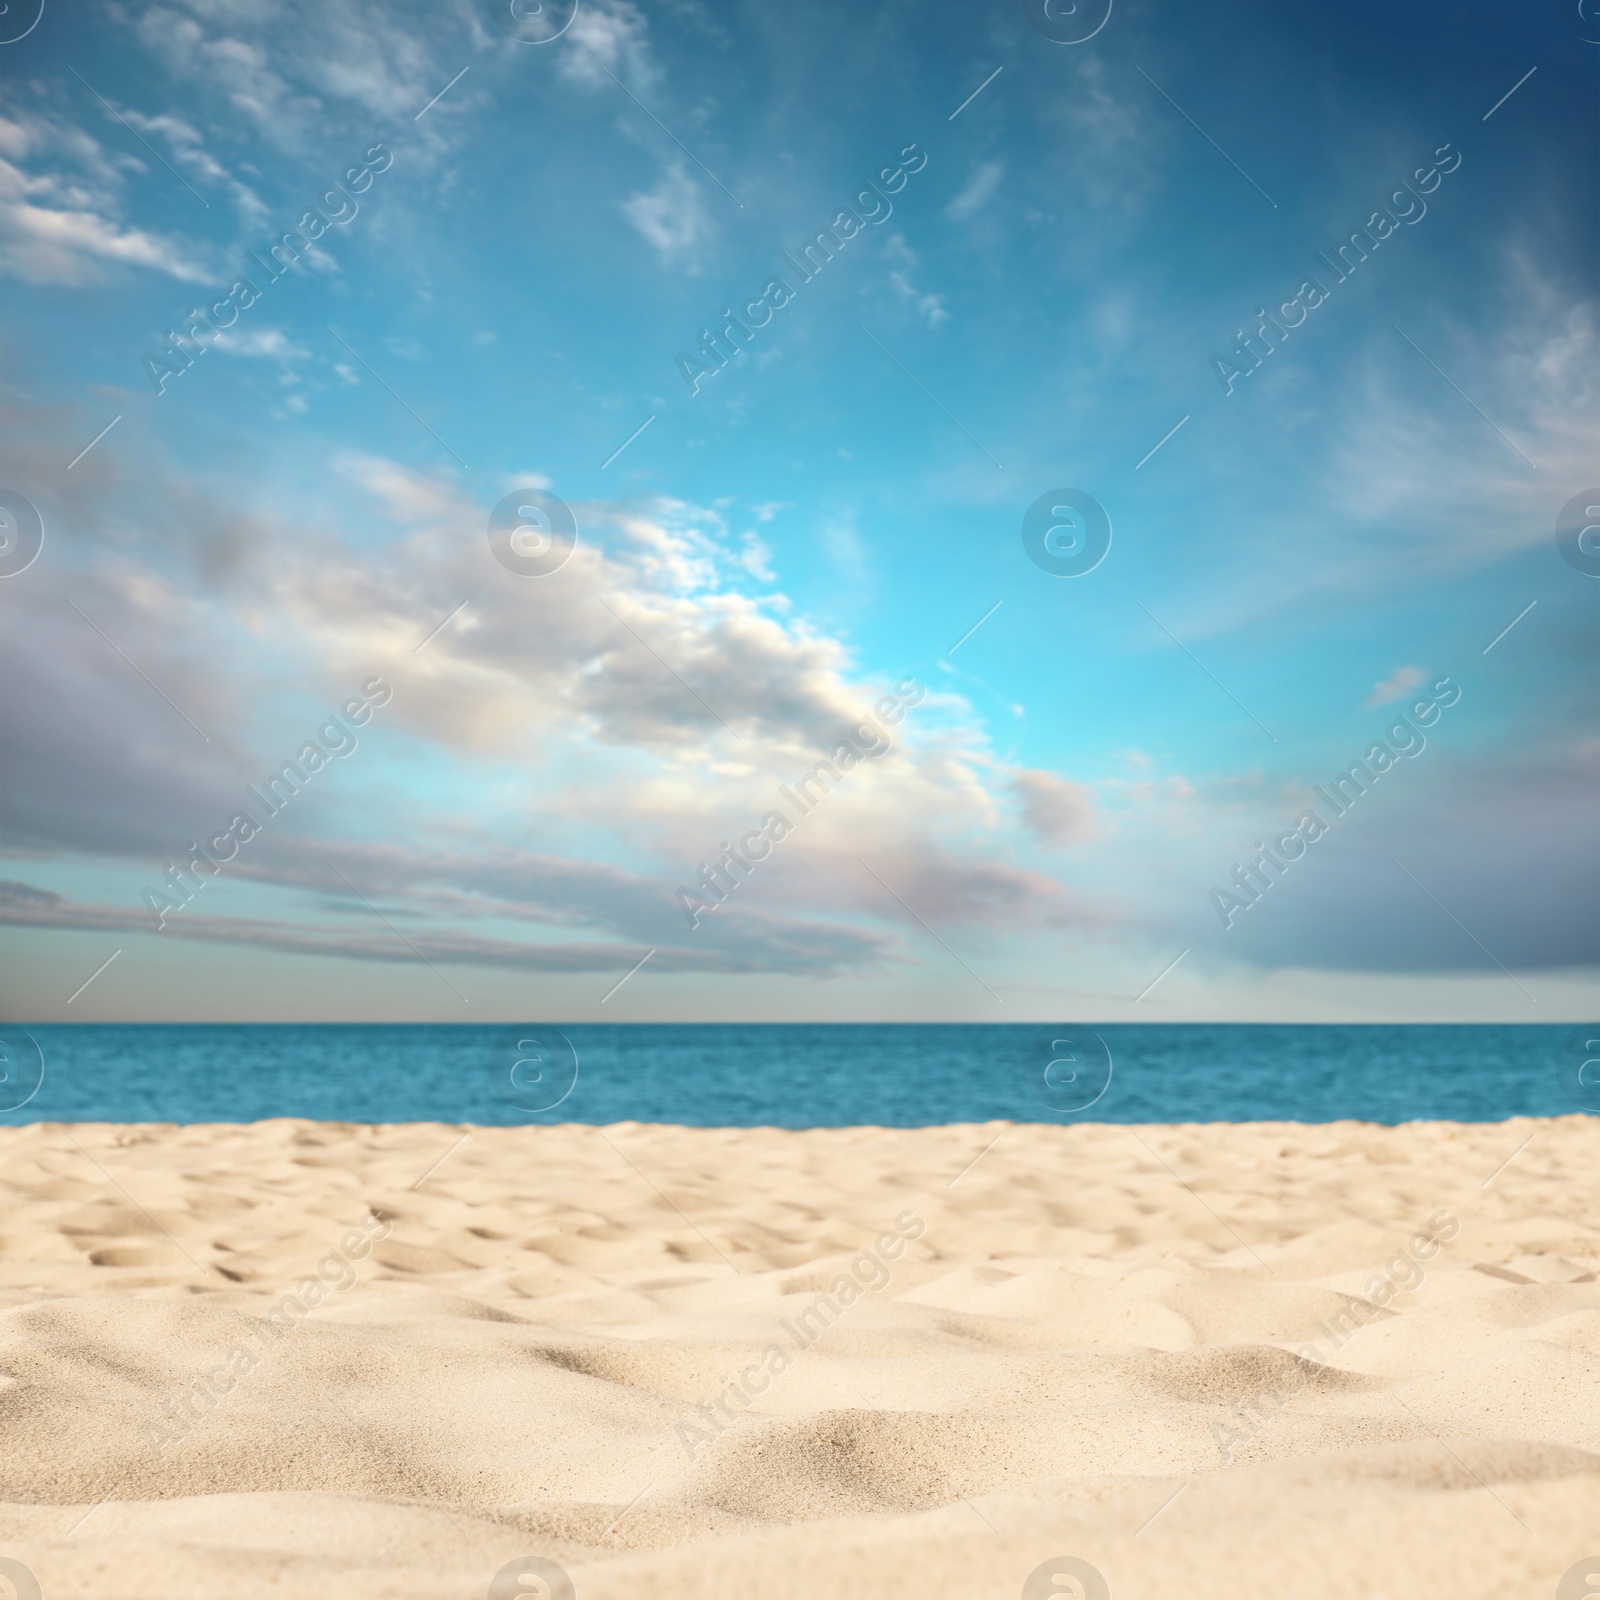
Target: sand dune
{"x":1234,"y":1361}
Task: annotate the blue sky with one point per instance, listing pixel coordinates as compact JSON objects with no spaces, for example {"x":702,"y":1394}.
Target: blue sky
{"x":1044,"y":254}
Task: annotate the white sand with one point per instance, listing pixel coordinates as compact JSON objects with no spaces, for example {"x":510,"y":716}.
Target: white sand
{"x":1089,"y":1321}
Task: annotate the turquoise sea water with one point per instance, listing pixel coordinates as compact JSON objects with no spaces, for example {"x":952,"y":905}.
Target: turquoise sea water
{"x":791,"y":1075}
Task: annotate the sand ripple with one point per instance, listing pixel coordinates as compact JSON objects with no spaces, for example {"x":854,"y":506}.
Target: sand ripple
{"x":1226,"y":1362}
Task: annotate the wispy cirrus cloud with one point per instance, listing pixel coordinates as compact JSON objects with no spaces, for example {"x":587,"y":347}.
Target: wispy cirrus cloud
{"x":746,"y":944}
{"x":63,"y":211}
{"x":190,"y":152}
{"x":977,"y":192}
{"x":289,"y":69}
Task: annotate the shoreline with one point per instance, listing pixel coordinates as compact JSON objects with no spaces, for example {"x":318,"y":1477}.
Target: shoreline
{"x":1057,"y":1125}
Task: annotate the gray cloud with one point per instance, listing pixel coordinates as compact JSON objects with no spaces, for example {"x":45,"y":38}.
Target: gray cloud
{"x":809,"y":951}
{"x":1505,"y":863}
{"x":1057,"y":810}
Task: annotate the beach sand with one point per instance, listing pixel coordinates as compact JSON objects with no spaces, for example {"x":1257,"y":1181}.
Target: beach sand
{"x":1221,"y":1362}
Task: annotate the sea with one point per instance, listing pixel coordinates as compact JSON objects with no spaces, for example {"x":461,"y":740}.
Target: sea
{"x":792,"y":1075}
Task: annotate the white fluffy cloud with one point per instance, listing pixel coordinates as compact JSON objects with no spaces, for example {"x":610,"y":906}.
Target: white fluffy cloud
{"x":607,"y":38}
{"x":672,"y":216}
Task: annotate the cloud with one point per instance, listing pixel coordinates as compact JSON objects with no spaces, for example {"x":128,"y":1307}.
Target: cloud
{"x":65,"y":247}
{"x":583,"y":742}
{"x":189,"y":151}
{"x":1509,"y":884}
{"x":672,"y":216}
{"x":1396,"y":687}
{"x":929,"y":306}
{"x":1059,"y":811}
{"x":62,"y":221}
{"x":810,"y":951}
{"x":755,"y":557}
{"x":976,"y":192}
{"x":1415,"y":476}
{"x":1408,"y":485}
{"x":1109,"y":140}
{"x":263,"y":343}
{"x":606,"y":38}
{"x":642,"y":704}
{"x":293,"y":69}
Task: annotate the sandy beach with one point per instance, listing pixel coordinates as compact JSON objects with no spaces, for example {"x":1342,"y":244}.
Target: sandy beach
{"x":1232,"y":1361}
